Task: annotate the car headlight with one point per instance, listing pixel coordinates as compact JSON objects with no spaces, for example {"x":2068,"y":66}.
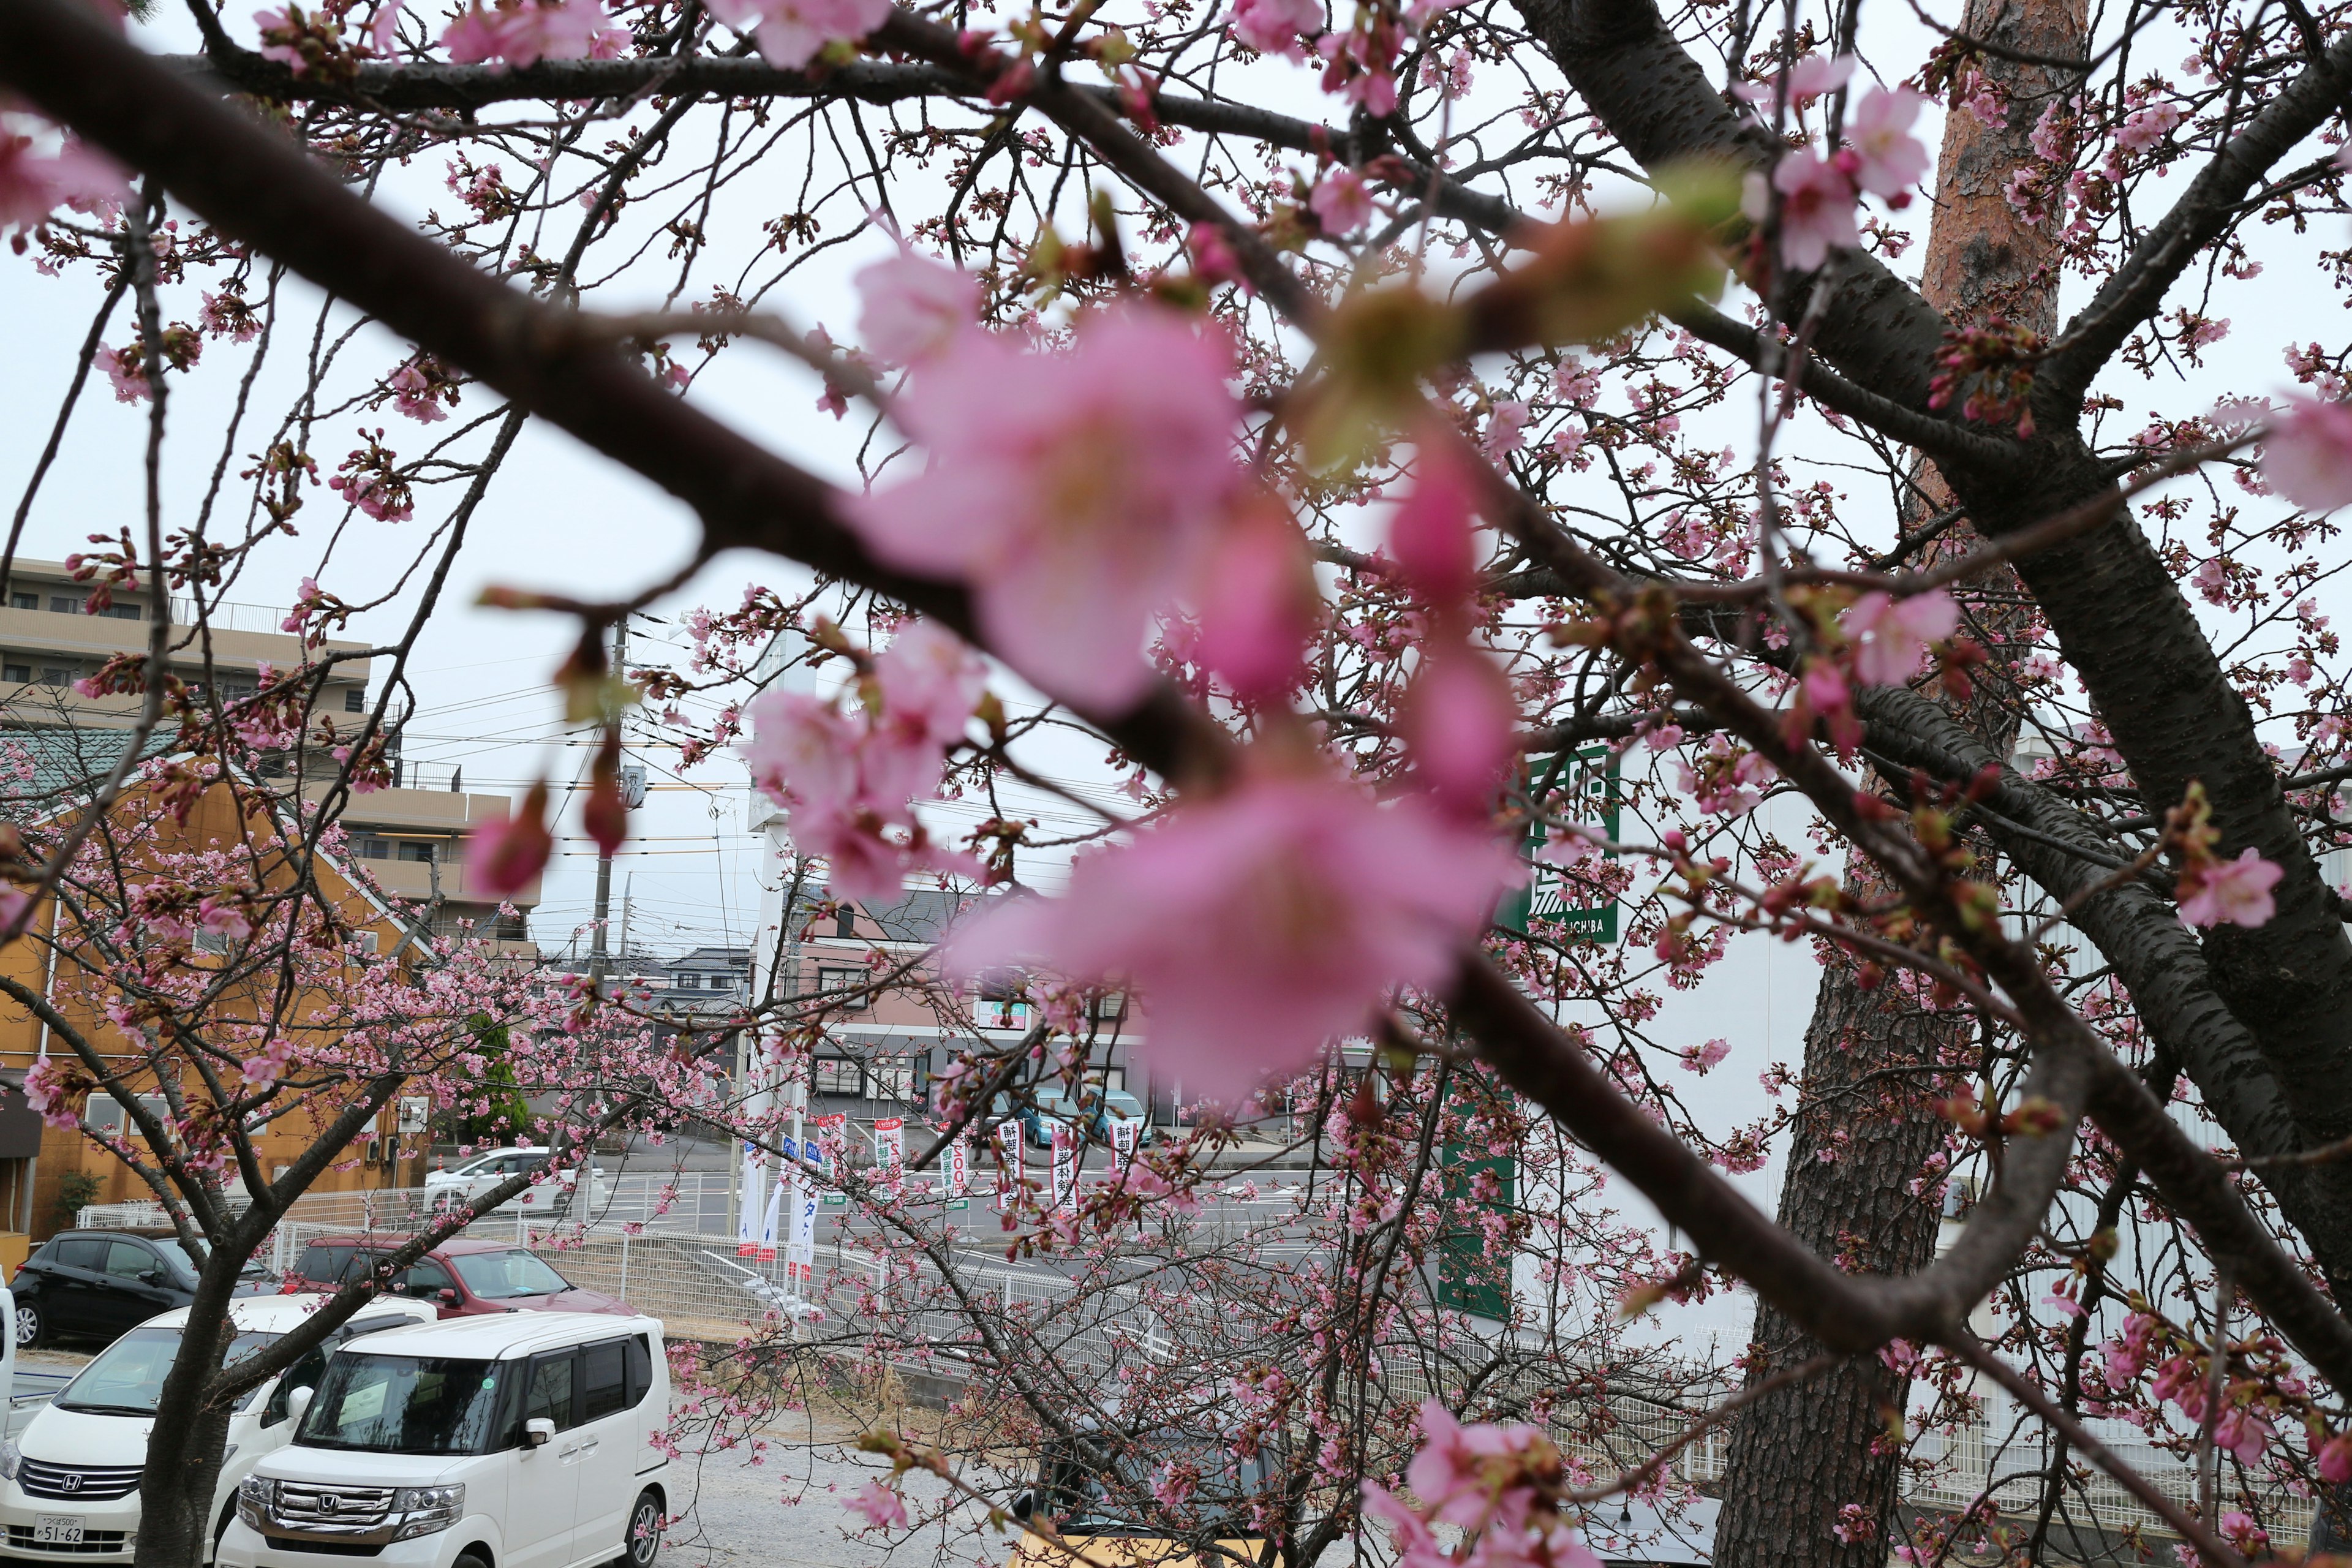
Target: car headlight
{"x":11,"y":1460}
{"x":254,"y":1496}
{"x":427,"y":1509}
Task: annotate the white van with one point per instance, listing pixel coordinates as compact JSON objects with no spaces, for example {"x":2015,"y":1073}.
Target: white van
{"x":69,"y":1480}
{"x":520,"y":1439}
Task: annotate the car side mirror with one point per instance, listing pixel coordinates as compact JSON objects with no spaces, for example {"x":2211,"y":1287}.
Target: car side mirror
{"x":538,"y":1431}
{"x":297,"y":1402}
{"x":1023,"y":1505}
{"x":447,"y":1295}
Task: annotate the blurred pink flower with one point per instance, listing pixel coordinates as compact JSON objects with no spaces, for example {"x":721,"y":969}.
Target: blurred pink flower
{"x":1075,"y":492}
{"x":501,"y":858}
{"x":1462,"y":728}
{"x":1341,"y":203}
{"x":1887,"y":160}
{"x":2229,"y":892}
{"x":2336,"y":1460}
{"x":525,"y":34}
{"x":913,"y":306}
{"x":35,"y":184}
{"x":1816,"y":209}
{"x":931,"y":682}
{"x":1272,"y":26}
{"x":1258,"y":604}
{"x":1702,"y":1058}
{"x":2243,"y":1430}
{"x":1430,"y":533}
{"x":791,"y":32}
{"x":1258,"y":924}
{"x":882,"y":1507}
{"x":1889,"y":634}
{"x":2307,"y":456}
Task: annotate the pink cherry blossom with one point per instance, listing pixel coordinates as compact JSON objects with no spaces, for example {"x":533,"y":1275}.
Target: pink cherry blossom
{"x":1816,"y":76}
{"x":881,"y":1508}
{"x":2229,"y":892}
{"x":1273,"y":26}
{"x":1076,"y":492}
{"x":1888,"y":161}
{"x":1258,"y":605}
{"x":413,"y":394}
{"x":1461,"y":728}
{"x":1702,"y":1058}
{"x":2307,"y":456}
{"x":929,"y":681}
{"x":1430,"y":533}
{"x":804,"y":751}
{"x":914,"y":307}
{"x":2243,"y":1430}
{"x":35,"y":184}
{"x":1816,"y":209}
{"x":1341,"y":203}
{"x":791,"y":32}
{"x":1890,"y":634}
{"x":524,"y":34}
{"x":1260,"y":923}
{"x":2335,"y":1461}
{"x":2147,"y":127}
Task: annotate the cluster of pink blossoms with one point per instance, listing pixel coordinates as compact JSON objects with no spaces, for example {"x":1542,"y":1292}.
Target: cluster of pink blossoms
{"x":1818,"y":193}
{"x":1499,"y":1484}
{"x":1081,"y":494}
{"x":791,"y":32}
{"x":524,"y":32}
{"x":850,"y":778}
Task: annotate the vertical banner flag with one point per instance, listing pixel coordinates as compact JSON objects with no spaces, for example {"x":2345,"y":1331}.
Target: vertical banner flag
{"x":1008,"y":1151}
{"x":1126,"y":1132}
{"x":800,"y":1257}
{"x":746,"y":1208}
{"x":889,"y":1149}
{"x":955,"y":1165}
{"x":772,"y":1220}
{"x":830,"y":1131}
{"x":1065,"y":1165}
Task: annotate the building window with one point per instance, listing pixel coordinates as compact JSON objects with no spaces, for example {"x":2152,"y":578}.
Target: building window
{"x":56,"y":675}
{"x":845,"y":921}
{"x":236,"y":690}
{"x":213,"y":941}
{"x":689,"y":982}
{"x":24,"y":601}
{"x":63,"y":604}
{"x":122,"y":610}
{"x":838,"y":1075}
{"x":22,"y":674}
{"x":104,"y":1113}
{"x":355,"y":700}
{"x":368,"y":846}
{"x":418,"y":849}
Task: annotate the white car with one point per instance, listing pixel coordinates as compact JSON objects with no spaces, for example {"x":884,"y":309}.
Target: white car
{"x":552,"y":1197}
{"x":69,"y":1480}
{"x":520,"y":1439}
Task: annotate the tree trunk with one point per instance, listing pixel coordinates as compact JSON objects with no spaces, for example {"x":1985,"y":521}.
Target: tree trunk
{"x":1810,"y":1478}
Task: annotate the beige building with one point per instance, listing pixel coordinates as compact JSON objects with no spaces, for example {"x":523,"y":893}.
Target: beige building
{"x":409,"y":838}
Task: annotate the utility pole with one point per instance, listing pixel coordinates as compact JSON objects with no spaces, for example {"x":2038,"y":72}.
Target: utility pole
{"x":604,"y":861}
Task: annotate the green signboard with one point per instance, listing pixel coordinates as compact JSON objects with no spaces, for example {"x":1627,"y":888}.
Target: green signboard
{"x":1588,"y":776}
{"x":1468,"y":1278}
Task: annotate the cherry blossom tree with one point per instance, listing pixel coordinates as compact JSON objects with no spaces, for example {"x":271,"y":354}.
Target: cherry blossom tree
{"x":1343,"y":475}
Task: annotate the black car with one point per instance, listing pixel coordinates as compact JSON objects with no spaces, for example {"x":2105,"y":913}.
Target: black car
{"x":98,"y":1283}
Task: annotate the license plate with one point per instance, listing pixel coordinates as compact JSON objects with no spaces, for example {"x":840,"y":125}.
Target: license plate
{"x":57,"y":1530}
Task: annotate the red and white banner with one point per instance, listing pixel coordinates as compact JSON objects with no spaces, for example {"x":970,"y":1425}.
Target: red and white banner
{"x":889,"y":1149}
{"x":1065,"y":1164}
{"x":955,"y":1165}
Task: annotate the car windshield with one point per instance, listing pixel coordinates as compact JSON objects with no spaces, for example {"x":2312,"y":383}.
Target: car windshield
{"x":127,"y":1378}
{"x":404,"y":1405}
{"x":1122,"y":1105}
{"x":499,"y":1276}
{"x":1093,"y":1493}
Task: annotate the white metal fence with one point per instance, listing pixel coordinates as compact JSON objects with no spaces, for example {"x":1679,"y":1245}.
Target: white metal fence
{"x":657,"y":1242}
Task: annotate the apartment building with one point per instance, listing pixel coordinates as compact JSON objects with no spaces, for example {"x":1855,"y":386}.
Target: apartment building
{"x":409,"y":838}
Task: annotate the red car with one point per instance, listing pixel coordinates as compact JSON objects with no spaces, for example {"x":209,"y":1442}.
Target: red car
{"x":465,"y":1276}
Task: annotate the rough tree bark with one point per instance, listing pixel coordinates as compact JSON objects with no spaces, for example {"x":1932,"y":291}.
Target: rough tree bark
{"x":1810,"y":1477}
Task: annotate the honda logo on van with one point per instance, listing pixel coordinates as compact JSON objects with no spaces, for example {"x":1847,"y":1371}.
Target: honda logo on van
{"x":329,"y":1503}
{"x":70,"y":1481}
